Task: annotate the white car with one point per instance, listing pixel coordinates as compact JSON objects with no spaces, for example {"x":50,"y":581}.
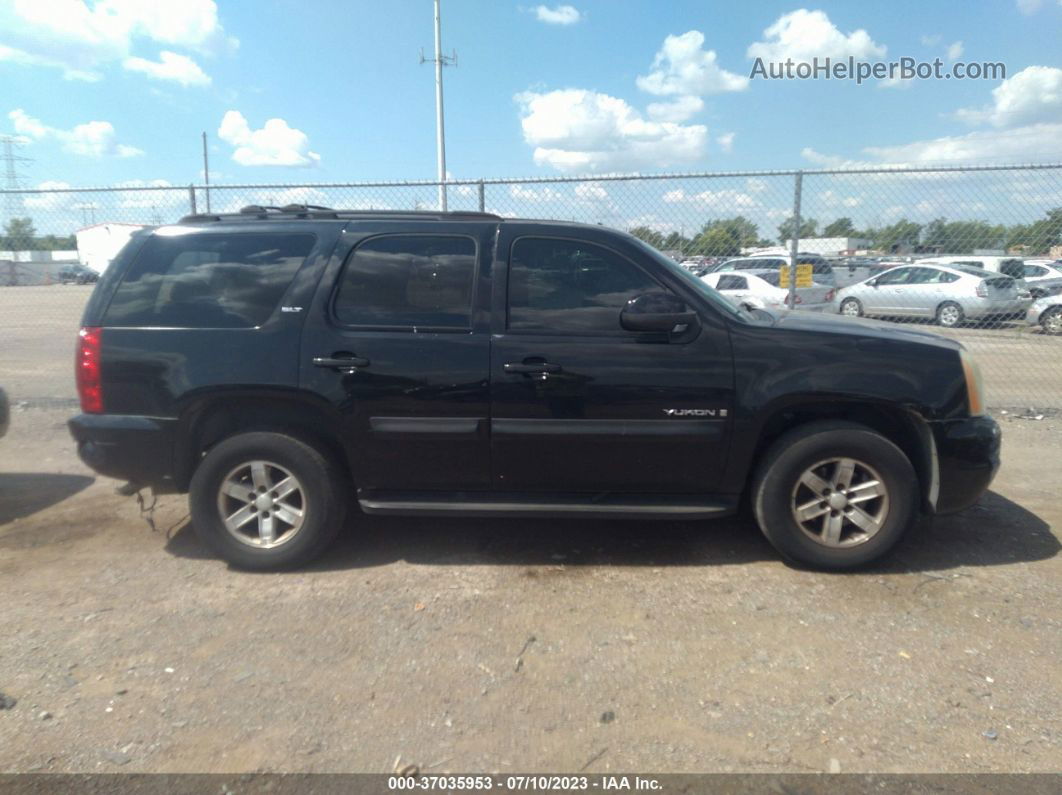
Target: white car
{"x":760,"y":290}
{"x":1046,"y":312}
{"x":1042,"y":275}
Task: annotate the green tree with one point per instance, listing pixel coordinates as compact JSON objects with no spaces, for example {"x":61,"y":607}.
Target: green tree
{"x":842,"y":227}
{"x":676,"y":242}
{"x":717,"y":240}
{"x":899,"y":235}
{"x":19,"y":234}
{"x":808,"y":228}
{"x":650,"y":236}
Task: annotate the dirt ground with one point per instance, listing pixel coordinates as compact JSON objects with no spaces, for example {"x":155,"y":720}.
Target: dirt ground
{"x":491,"y":645}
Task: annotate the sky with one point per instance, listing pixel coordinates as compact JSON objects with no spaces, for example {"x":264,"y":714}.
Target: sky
{"x":111,"y":92}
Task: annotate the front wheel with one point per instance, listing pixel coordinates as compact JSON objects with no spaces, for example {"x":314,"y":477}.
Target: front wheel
{"x":834,"y":495}
{"x":1051,"y":320}
{"x":267,"y":501}
{"x":851,"y":307}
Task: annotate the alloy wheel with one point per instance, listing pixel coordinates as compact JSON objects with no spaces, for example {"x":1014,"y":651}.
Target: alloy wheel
{"x":840,"y":502}
{"x":261,"y":504}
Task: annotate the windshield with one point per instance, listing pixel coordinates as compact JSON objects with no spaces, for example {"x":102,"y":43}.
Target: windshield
{"x":698,"y":284}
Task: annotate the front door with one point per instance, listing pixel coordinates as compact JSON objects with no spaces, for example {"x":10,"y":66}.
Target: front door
{"x":580,"y":405}
{"x":397,"y":343}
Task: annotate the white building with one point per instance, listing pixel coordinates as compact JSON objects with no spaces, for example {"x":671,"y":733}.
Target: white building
{"x":98,"y":244}
{"x":831,"y":246}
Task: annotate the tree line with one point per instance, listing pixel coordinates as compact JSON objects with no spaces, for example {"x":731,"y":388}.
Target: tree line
{"x":20,"y":235}
{"x":727,"y":237}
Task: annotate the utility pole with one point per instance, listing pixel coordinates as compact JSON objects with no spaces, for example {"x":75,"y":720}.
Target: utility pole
{"x":206,"y":172}
{"x":440,"y":61}
{"x":13,"y":204}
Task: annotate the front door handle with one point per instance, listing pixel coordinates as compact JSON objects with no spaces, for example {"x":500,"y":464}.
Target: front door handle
{"x":531,"y":367}
{"x":346,"y":364}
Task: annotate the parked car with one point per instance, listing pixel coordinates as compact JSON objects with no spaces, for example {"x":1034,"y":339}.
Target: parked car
{"x":1041,"y":277}
{"x":281,"y":365}
{"x":1008,"y":266}
{"x":1046,"y":312}
{"x":821,"y":270}
{"x":761,"y":290}
{"x":77,"y":273}
{"x":5,"y":413}
{"x":949,"y":295}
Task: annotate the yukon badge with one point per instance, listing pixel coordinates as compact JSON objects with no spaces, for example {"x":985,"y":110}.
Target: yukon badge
{"x":695,"y":412}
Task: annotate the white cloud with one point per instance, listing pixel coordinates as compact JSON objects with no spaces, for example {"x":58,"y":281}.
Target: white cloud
{"x":275,"y":144}
{"x":726,"y":141}
{"x":931,"y":41}
{"x":677,"y":110}
{"x":955,"y":51}
{"x":81,"y":38}
{"x":49,"y":201}
{"x":151,"y":199}
{"x":528,"y":194}
{"x":683,"y":67}
{"x":591,"y":191}
{"x":1028,"y":7}
{"x":170,"y":66}
{"x":575,"y":129}
{"x":91,"y":139}
{"x":802,"y":35}
{"x":1032,"y":95}
{"x":723,"y":200}
{"x":1021,"y":144}
{"x":558,"y":15}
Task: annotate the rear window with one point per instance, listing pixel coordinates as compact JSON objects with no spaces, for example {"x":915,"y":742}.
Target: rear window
{"x":409,"y":281}
{"x":208,"y":280}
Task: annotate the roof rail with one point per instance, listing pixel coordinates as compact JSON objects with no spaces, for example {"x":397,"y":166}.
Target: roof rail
{"x":313,"y":211}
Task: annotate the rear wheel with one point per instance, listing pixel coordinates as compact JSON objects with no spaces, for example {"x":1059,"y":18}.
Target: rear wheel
{"x":1051,"y":320}
{"x":851,"y":307}
{"x":266,"y":500}
{"x":834,"y":495}
{"x":949,"y":314}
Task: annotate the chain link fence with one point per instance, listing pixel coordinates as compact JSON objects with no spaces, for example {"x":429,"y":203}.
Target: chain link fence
{"x":970,"y":252}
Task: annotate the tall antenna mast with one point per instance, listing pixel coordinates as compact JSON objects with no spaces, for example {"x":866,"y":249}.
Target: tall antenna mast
{"x":440,"y":61}
{"x":14,"y":207}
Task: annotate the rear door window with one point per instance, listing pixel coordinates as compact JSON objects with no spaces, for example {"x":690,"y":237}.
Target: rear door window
{"x":729,"y":282}
{"x":208,"y":280}
{"x":408,"y":282}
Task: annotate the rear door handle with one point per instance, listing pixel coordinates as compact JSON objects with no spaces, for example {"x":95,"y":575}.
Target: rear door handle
{"x":347,"y":364}
{"x":531,"y":367}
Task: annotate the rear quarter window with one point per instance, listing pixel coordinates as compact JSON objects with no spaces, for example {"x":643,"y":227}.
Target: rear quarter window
{"x":208,"y":280}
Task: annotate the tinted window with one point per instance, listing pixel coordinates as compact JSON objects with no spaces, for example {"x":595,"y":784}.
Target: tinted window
{"x":408,"y":281}
{"x":207,"y":280}
{"x":896,"y":276}
{"x":565,"y":285}
{"x":732,"y":283}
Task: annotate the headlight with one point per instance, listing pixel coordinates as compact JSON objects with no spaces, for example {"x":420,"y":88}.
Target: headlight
{"x":975,"y":390}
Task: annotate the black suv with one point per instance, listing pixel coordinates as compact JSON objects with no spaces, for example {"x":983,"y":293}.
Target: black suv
{"x":281,"y":365}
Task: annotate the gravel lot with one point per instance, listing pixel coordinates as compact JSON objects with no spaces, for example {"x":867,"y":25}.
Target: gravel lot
{"x":492,"y":645}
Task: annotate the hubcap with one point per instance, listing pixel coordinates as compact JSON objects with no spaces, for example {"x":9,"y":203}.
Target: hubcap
{"x":850,"y":308}
{"x":261,"y":504}
{"x":949,"y":315}
{"x":840,"y":502}
{"x":1053,"y":322}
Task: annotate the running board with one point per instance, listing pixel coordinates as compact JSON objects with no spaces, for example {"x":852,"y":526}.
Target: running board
{"x":546,"y":506}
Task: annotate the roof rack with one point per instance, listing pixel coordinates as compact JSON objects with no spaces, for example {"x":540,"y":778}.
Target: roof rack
{"x":299,"y":211}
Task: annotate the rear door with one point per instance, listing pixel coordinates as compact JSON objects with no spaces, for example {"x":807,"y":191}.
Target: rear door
{"x":580,"y":405}
{"x":397,"y":342}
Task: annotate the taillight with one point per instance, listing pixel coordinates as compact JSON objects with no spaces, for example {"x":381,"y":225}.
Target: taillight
{"x":87,"y":370}
{"x":797,"y":299}
{"x":829,"y":296}
{"x":982,"y":290}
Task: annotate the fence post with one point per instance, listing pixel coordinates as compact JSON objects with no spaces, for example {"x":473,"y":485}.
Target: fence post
{"x":794,"y":243}
{"x":481,"y":192}
{"x":191,"y":198}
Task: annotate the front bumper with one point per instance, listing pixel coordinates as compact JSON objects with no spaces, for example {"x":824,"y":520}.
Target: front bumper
{"x":137,"y":449}
{"x":967,"y":453}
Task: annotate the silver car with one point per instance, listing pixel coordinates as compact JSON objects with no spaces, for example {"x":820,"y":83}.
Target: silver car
{"x":1046,"y":313}
{"x":949,"y":294}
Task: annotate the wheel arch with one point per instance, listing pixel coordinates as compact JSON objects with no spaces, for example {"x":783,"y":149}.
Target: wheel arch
{"x":903,"y":427}
{"x":210,"y":418}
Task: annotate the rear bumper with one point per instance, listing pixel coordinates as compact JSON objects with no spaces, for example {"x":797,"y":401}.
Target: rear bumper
{"x":967,"y":460}
{"x":137,"y":449}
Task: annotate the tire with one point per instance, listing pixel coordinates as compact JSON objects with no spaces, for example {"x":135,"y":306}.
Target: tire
{"x":949,"y":315}
{"x":781,"y":484}
{"x":297,"y":527}
{"x":1051,"y":320}
{"x":851,"y":307}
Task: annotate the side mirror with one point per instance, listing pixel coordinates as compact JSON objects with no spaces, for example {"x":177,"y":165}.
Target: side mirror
{"x":873,"y":282}
{"x":661,"y":312}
